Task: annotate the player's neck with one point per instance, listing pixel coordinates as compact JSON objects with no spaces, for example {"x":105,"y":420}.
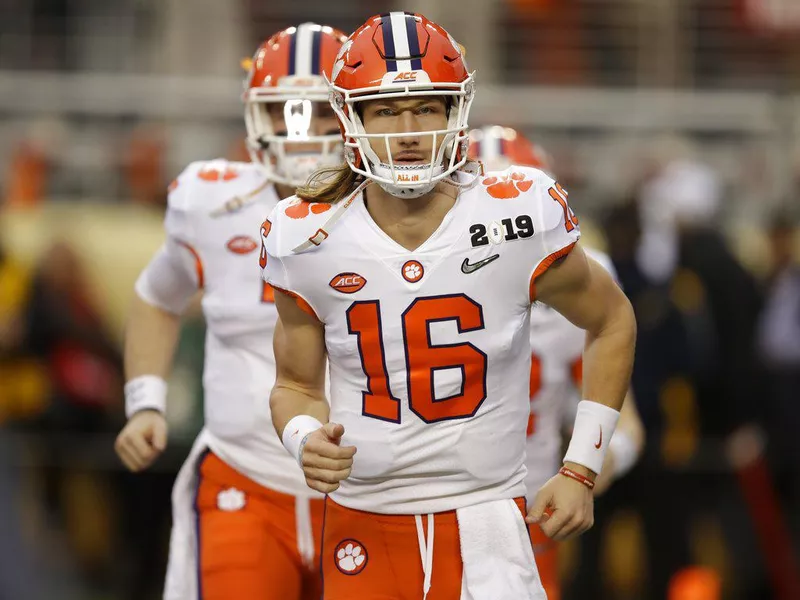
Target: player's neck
{"x":410,"y":222}
{"x":284,"y":191}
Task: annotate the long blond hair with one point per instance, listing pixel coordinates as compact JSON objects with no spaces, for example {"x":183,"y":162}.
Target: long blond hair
{"x":329,"y":185}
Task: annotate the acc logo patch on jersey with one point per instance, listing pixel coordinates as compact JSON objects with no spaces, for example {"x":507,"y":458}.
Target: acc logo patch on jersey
{"x":350,"y":557}
{"x":241,"y":244}
{"x":507,"y":186}
{"x":302,"y":208}
{"x":348,"y":283}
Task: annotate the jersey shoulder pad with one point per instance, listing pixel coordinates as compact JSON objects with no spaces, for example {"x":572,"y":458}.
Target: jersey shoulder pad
{"x":532,"y":190}
{"x":297,"y":225}
{"x":513,"y":182}
{"x":207,"y":184}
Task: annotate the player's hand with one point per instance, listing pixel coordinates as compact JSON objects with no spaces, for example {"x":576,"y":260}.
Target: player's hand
{"x":325,"y":462}
{"x":142,"y":440}
{"x":564,"y":507}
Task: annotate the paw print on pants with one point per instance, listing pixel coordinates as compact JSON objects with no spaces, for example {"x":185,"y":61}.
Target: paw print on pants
{"x":350,"y":557}
{"x":302,"y":208}
{"x":507,"y":186}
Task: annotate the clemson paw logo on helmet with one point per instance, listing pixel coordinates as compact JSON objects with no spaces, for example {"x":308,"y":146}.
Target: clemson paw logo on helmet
{"x":507,"y":186}
{"x":217,"y":174}
{"x":350,"y":557}
{"x":340,"y":60}
{"x":302,"y":208}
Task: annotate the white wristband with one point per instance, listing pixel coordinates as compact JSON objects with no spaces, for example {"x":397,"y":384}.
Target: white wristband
{"x":146,"y":392}
{"x":593,"y":430}
{"x":625,"y":453}
{"x":295,"y":433}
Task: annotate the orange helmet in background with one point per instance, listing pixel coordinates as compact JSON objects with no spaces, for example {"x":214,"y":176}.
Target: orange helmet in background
{"x":402,"y":55}
{"x":500,"y":147}
{"x":291,"y":69}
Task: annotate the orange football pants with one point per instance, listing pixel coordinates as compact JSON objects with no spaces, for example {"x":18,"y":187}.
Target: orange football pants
{"x":545,"y":550}
{"x":391,"y":568}
{"x":249,"y":550}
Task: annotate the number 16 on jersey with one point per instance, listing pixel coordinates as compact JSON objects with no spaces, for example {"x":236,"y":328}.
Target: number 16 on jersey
{"x":422,"y":358}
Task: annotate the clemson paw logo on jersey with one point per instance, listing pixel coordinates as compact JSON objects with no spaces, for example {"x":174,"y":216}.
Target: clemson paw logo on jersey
{"x":302,"y":208}
{"x":350,"y":557}
{"x":507,"y":186}
{"x":348,"y":283}
{"x":242,"y":244}
{"x":217,"y":174}
{"x":412,"y":271}
{"x":172,"y":186}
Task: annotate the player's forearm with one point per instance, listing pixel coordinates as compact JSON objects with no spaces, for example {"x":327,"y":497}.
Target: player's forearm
{"x":608,"y":362}
{"x":608,"y":356}
{"x":151,"y":337}
{"x":286,"y":402}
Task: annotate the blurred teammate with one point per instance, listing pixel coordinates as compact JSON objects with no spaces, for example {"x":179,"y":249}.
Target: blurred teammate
{"x":257,"y":524}
{"x":556,"y":367}
{"x":415,"y":277}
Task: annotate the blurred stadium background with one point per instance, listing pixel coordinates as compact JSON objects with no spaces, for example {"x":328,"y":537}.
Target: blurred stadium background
{"x":674,"y":123}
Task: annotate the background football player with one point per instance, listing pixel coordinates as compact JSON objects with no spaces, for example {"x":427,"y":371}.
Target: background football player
{"x":243,"y":517}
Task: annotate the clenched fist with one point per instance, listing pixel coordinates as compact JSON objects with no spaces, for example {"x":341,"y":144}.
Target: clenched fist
{"x":142,"y":440}
{"x":563,"y":507}
{"x":325,"y":462}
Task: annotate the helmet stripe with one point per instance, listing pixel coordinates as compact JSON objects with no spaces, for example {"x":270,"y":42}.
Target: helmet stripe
{"x":305,"y":33}
{"x":316,"y":44}
{"x":490,"y":145}
{"x":401,"y":43}
{"x":388,"y":43}
{"x":292,"y":57}
{"x":413,"y":42}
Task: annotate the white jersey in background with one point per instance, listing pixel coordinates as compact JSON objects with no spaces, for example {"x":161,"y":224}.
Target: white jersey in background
{"x":213,"y":241}
{"x":555,"y":386}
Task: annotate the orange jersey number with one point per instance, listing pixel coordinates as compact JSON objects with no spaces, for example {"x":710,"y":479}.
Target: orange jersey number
{"x":559,"y":194}
{"x":423,"y":359}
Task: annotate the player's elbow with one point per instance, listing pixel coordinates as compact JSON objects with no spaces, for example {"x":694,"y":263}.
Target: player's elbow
{"x":626,"y":318}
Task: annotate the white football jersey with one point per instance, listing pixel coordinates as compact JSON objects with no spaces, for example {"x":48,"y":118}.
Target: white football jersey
{"x":555,"y":386}
{"x":218,"y":238}
{"x":429,"y":349}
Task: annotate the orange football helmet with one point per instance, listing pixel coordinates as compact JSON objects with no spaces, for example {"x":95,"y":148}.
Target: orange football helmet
{"x":400,"y":55}
{"x":500,"y":147}
{"x":290,"y":69}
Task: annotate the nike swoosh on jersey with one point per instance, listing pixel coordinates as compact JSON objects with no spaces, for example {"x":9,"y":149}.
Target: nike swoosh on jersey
{"x":467,"y":267}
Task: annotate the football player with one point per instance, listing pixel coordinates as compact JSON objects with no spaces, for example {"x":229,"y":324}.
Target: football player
{"x":245,"y":524}
{"x":415,"y":276}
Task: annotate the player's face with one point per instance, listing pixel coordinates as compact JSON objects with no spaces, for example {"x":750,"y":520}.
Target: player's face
{"x":405,"y":115}
{"x":299,"y":119}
